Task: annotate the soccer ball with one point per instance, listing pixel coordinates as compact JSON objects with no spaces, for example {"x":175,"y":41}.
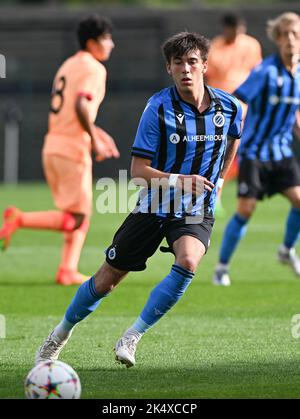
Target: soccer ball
{"x":52,"y":380}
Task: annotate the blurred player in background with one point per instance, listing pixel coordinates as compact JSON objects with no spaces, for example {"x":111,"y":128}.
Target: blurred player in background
{"x":187,"y":137}
{"x":232,"y":55}
{"x":267,"y":165}
{"x":78,"y":90}
{"x":231,"y":58}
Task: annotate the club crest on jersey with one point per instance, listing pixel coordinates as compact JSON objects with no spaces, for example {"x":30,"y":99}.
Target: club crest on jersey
{"x":112,"y":253}
{"x":219,"y":120}
{"x":174,"y":138}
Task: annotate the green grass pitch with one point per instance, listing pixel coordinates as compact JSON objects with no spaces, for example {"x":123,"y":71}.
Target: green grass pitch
{"x":233,"y":342}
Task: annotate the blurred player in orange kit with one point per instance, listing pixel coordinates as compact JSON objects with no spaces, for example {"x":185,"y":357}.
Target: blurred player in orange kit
{"x":231,"y":58}
{"x":78,"y":90}
{"x":232,"y":55}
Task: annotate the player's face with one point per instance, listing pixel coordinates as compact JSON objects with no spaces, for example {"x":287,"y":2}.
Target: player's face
{"x":101,"y":47}
{"x":187,"y":71}
{"x":288,"y":41}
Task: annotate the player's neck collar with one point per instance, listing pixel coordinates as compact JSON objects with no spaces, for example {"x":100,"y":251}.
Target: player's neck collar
{"x":85,"y":53}
{"x":214,"y":100}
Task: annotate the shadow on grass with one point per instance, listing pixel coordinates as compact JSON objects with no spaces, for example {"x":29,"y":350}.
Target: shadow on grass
{"x":237,"y":380}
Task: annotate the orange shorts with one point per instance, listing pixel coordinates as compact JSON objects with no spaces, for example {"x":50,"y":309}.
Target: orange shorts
{"x":70,"y":183}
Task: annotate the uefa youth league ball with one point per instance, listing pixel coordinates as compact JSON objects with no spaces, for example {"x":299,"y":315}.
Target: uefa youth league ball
{"x":52,"y":380}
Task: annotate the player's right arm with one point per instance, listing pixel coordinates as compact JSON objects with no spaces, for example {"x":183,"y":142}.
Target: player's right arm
{"x":142,"y":171}
{"x":251,"y":88}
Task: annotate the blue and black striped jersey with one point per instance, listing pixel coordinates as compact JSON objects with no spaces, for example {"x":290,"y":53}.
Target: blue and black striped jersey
{"x":177,"y":138}
{"x":273,"y":97}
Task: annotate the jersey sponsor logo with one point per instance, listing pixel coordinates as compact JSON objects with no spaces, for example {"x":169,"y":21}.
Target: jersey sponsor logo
{"x":211,"y":137}
{"x":180,"y":117}
{"x":219,"y":120}
{"x":288,"y":100}
{"x":174,"y":138}
{"x":112,"y":253}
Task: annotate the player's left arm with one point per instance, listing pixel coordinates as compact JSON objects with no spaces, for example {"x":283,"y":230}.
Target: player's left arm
{"x":230,"y":153}
{"x":91,"y":88}
{"x":83,"y":114}
{"x":233,"y":139}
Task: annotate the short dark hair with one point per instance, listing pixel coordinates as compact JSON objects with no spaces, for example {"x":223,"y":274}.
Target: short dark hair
{"x":184,"y":42}
{"x":91,"y":27}
{"x":233,"y":20}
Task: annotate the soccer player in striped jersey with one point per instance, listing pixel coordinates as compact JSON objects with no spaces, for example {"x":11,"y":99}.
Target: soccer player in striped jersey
{"x":232,"y":56}
{"x":186,"y":139}
{"x":267,"y":165}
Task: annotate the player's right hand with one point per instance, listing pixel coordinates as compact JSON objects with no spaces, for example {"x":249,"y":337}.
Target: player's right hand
{"x":100,"y":157}
{"x":103,"y":145}
{"x":100,"y":151}
{"x":195,"y":184}
{"x":109,"y":143}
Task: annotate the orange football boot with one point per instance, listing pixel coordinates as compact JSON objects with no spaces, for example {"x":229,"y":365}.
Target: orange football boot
{"x":67,"y":277}
{"x":11,"y":223}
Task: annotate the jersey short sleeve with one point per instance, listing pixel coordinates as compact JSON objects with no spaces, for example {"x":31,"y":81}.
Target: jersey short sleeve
{"x":253,"y":84}
{"x":148,"y":134}
{"x":92,"y":83}
{"x":235,"y":128}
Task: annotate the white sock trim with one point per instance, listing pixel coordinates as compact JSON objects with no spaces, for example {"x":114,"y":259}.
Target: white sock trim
{"x":63,"y":330}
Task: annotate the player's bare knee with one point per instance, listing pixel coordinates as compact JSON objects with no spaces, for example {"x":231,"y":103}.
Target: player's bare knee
{"x":107,"y":278}
{"x":188,"y":262}
{"x":246,"y":209}
{"x":293,"y":195}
